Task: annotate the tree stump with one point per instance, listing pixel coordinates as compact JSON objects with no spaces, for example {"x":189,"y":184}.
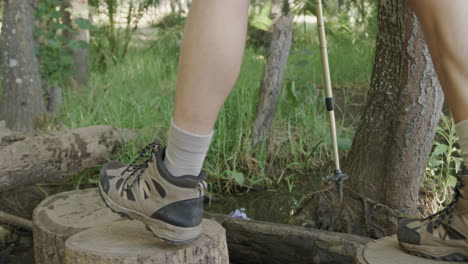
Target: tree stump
{"x":387,"y":251}
{"x":77,"y":227}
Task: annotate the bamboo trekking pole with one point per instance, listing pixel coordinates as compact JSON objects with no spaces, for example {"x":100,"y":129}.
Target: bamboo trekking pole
{"x":338,"y":177}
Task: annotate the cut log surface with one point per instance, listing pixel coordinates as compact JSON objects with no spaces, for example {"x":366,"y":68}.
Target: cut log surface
{"x":60,"y":216}
{"x":129,"y":242}
{"x":387,"y":251}
{"x":77,"y":227}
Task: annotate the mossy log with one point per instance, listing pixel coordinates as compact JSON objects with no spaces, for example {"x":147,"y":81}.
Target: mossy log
{"x":77,"y":227}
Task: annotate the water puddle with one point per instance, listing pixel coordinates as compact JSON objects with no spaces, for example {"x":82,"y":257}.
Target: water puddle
{"x":266,"y":205}
{"x":19,"y":250}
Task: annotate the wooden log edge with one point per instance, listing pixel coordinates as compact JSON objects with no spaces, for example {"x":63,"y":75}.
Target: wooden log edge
{"x":52,"y":230}
{"x":263,"y":242}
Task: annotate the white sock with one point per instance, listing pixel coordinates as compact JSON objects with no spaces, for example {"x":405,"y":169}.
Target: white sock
{"x":185,"y":151}
{"x":462,"y":133}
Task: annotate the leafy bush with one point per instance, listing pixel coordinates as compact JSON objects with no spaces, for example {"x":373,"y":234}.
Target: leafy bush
{"x":55,"y":50}
{"x":258,"y":31}
{"x":173,"y":21}
{"x":444,"y":163}
{"x":110,"y":43}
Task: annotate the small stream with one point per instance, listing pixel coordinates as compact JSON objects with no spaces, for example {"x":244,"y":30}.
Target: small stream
{"x":274,"y":205}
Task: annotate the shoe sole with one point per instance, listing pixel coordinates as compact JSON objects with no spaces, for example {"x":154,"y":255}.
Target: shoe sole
{"x":172,"y":234}
{"x":434,"y":252}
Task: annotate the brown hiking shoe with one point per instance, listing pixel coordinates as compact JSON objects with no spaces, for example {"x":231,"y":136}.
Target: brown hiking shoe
{"x":444,"y":235}
{"x":171,"y":207}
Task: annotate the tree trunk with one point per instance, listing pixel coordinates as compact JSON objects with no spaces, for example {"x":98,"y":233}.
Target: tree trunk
{"x":71,"y":10}
{"x":22,"y":93}
{"x":388,"y":157}
{"x":272,"y":77}
{"x":394,"y":139}
{"x":276,"y":10}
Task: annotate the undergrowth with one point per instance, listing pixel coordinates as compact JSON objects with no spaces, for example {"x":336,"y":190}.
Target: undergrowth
{"x":444,"y":164}
{"x":138,"y":93}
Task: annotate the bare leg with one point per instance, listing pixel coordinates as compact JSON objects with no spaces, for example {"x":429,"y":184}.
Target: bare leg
{"x":210,"y":61}
{"x":445,"y":24}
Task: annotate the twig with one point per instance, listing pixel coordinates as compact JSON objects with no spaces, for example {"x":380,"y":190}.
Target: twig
{"x":8,"y":249}
{"x":15,"y":220}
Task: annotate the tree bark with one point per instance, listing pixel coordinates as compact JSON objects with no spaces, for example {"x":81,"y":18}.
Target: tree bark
{"x":252,"y":242}
{"x":393,"y":141}
{"x":22,"y":200}
{"x":72,"y":9}
{"x":389,"y":154}
{"x":22,"y":93}
{"x":29,"y":160}
{"x":272,"y":78}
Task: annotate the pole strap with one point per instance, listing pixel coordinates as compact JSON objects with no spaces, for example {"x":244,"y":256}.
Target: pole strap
{"x":330,"y":103}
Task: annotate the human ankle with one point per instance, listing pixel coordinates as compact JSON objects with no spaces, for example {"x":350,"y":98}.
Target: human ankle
{"x":185,"y":151}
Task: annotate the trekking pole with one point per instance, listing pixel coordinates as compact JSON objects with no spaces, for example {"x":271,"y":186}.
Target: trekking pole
{"x":338,"y":177}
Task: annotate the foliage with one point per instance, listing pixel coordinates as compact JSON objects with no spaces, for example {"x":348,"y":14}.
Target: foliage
{"x":355,"y":21}
{"x":261,"y":20}
{"x":444,"y":163}
{"x":169,"y":34}
{"x":172,"y":21}
{"x":348,"y":20}
{"x":135,"y":85}
{"x":304,"y":7}
{"x":138,"y":93}
{"x":258,"y":34}
{"x":54,"y":49}
{"x":110,"y":42}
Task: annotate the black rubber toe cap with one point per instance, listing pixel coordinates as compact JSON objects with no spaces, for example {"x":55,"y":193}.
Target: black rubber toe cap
{"x":406,"y":234}
{"x":184,"y":213}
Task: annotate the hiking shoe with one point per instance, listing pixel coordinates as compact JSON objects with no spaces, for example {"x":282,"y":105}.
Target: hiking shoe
{"x":444,"y":235}
{"x":170,"y":207}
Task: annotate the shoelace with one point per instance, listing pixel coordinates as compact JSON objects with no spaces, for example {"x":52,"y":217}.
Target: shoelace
{"x":137,"y":166}
{"x":448,"y":210}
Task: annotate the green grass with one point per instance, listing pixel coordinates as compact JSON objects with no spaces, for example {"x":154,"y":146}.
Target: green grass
{"x":443,"y":165}
{"x":138,"y":93}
